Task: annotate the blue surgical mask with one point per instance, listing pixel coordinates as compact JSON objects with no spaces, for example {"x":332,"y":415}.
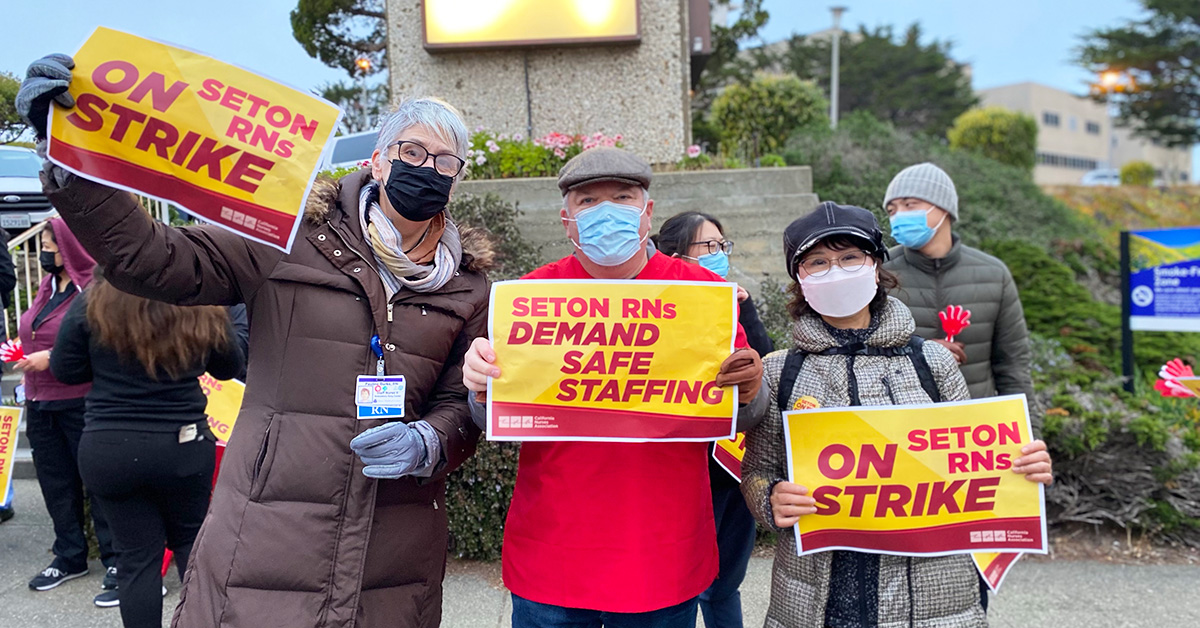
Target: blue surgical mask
{"x":717,"y":262}
{"x":911,"y":228}
{"x":609,"y":233}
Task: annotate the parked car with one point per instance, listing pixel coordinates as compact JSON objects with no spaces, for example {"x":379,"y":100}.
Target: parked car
{"x":349,"y":150}
{"x":1102,"y":176}
{"x":22,"y":203}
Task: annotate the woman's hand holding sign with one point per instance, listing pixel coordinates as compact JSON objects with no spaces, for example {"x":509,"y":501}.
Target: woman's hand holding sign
{"x":47,"y":80}
{"x":789,"y":502}
{"x":1034,"y":463}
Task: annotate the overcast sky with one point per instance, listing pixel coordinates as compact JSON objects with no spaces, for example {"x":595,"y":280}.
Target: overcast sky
{"x":1005,"y":42}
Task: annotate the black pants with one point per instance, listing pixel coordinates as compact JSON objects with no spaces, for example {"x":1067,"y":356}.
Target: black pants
{"x":155,"y":493}
{"x":721,"y":603}
{"x":54,"y":436}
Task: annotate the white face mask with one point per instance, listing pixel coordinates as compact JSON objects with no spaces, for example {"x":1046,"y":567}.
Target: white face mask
{"x":840,"y":293}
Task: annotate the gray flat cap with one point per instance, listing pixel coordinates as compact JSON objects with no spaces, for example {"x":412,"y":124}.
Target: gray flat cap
{"x":604,"y":163}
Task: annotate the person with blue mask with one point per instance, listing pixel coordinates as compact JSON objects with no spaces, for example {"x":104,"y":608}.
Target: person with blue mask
{"x":612,"y":533}
{"x":698,"y":238}
{"x":937,"y":270}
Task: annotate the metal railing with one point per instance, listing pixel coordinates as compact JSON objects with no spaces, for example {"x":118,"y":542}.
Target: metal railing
{"x":24,"y":250}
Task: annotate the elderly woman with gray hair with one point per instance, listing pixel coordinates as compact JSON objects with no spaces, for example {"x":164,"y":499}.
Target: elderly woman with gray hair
{"x":320,"y":519}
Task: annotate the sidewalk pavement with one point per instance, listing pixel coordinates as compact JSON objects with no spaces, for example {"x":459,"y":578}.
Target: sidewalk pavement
{"x":1056,"y":594}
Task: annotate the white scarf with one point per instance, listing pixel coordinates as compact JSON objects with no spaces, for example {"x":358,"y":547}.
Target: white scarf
{"x":394,"y":267}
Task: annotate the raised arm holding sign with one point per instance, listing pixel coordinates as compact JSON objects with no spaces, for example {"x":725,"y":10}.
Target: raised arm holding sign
{"x":352,"y":298}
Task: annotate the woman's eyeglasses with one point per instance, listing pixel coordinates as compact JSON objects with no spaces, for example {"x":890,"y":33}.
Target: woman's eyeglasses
{"x":849,"y":261}
{"x":414,"y":154}
{"x":712,"y":246}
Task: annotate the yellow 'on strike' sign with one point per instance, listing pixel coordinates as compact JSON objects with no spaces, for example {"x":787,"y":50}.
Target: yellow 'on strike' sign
{"x":222,"y":142}
{"x":919,"y":480}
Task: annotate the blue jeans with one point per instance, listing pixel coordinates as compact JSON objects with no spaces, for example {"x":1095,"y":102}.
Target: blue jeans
{"x":7,"y":503}
{"x":721,"y":604}
{"x":530,"y":614}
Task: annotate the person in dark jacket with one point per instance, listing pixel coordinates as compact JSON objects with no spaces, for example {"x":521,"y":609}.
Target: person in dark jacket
{"x":54,"y":411}
{"x":241,"y":331}
{"x":699,"y":238}
{"x":937,"y":270}
{"x":318,"y":519}
{"x":8,"y":273}
{"x":8,"y":281}
{"x":146,"y":454}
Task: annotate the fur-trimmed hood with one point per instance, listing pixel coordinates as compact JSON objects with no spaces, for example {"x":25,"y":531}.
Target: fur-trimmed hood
{"x":333,"y":195}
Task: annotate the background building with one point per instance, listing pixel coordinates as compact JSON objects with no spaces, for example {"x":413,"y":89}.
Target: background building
{"x":637,"y":87}
{"x":1076,"y":135}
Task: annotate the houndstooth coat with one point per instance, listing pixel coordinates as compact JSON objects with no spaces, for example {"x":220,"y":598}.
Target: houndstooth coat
{"x":944,"y":590}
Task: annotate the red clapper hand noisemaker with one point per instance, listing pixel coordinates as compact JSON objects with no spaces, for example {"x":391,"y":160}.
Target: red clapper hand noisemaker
{"x":1168,"y":383}
{"x":11,"y":350}
{"x":954,"y":319}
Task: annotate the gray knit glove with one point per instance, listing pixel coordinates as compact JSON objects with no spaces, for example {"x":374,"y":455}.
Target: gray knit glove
{"x":46,"y":80}
{"x":57,"y":176}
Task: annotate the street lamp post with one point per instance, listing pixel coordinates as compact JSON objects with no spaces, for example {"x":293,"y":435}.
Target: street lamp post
{"x":1112,"y":81}
{"x":364,"y":67}
{"x":833,"y":70}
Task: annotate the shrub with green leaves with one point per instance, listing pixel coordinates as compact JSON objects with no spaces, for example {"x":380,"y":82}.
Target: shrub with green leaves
{"x":478,"y":493}
{"x":758,"y":117}
{"x":1007,"y":136}
{"x":1137,"y":173}
{"x":772,"y":160}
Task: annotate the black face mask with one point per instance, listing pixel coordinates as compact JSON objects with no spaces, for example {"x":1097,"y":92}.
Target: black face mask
{"x":49,"y":264}
{"x":417,"y":193}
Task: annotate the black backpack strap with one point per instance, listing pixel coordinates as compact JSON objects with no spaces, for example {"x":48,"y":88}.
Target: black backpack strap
{"x":916,"y":353}
{"x":787,"y":378}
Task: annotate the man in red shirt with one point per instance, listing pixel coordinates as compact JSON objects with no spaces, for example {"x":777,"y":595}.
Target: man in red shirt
{"x":601,"y":533}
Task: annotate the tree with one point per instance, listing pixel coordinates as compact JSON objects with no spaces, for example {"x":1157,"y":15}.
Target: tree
{"x":1009,"y":137}
{"x":725,"y":65}
{"x":361,"y":111}
{"x":339,"y":32}
{"x":1160,"y":53}
{"x":759,"y":117}
{"x":11,"y":124}
{"x":1137,"y":173}
{"x":916,"y":87}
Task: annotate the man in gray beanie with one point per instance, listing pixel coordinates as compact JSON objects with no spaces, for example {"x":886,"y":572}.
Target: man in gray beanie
{"x":937,"y":270}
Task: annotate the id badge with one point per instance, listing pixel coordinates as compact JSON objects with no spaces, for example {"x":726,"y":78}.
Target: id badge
{"x":379,"y":397}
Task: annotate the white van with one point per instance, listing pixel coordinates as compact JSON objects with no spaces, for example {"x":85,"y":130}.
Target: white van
{"x":22,"y":203}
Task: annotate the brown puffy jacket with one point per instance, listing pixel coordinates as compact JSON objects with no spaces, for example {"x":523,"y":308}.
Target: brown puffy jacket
{"x":296,"y":536}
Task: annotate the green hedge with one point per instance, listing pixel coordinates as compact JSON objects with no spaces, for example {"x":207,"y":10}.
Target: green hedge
{"x":477,"y":497}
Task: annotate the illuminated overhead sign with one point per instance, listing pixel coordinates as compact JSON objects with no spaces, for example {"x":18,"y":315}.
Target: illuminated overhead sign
{"x":464,"y":24}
